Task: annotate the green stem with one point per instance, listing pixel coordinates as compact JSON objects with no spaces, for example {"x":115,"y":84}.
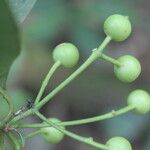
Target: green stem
{"x":46,"y":81}
{"x":30,"y":135}
{"x":2,"y":142}
{"x":110,"y":59}
{"x":11,"y":107}
{"x":14,"y":141}
{"x":85,"y":140}
{"x":110,"y":115}
{"x":95,"y":54}
{"x":21,"y":116}
{"x":106,"y":116}
{"x":69,"y":79}
{"x":104,"y":43}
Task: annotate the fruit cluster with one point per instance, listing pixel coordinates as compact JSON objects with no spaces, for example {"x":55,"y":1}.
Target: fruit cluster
{"x":126,"y":68}
{"x":117,"y":28}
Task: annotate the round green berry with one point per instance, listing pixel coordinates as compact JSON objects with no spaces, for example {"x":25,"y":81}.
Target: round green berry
{"x":118,"y":27}
{"x":52,"y":135}
{"x":118,"y":143}
{"x":67,"y":54}
{"x":129,"y":68}
{"x":140,"y":99}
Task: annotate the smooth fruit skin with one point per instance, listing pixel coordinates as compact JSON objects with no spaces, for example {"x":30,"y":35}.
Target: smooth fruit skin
{"x":129,"y":70}
{"x":118,"y":143}
{"x":140,"y":99}
{"x":118,"y":27}
{"x":67,"y":54}
{"x":52,"y":135}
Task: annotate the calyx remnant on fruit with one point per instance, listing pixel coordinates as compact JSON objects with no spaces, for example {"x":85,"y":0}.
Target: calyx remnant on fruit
{"x":118,"y":27}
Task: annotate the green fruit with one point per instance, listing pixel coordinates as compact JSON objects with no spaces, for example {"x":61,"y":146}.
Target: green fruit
{"x":140,"y":99}
{"x":118,"y":143}
{"x":118,"y":27}
{"x":67,"y":54}
{"x":129,"y":70}
{"x":52,"y":135}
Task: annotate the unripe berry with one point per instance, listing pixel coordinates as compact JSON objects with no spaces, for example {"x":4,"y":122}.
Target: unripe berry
{"x":140,"y":99}
{"x":118,"y":143}
{"x":52,"y":135}
{"x":129,"y":70}
{"x":67,"y":54}
{"x":118,"y":27}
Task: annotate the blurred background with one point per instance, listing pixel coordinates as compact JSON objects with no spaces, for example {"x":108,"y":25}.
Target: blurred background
{"x":96,"y":91}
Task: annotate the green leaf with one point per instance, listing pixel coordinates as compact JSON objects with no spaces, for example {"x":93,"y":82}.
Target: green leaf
{"x":21,"y":8}
{"x":9,"y":39}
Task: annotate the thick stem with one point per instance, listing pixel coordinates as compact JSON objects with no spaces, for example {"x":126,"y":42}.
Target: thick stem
{"x":95,"y":54}
{"x":110,"y":115}
{"x":104,"y":43}
{"x":11,"y":107}
{"x":2,"y":142}
{"x":21,"y":116}
{"x":46,"y":81}
{"x":88,"y":141}
{"x":14,"y":141}
{"x":106,"y":116}
{"x":49,"y":97}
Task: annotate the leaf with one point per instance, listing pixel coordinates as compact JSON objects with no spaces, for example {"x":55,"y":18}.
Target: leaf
{"x":9,"y":38}
{"x":21,"y":8}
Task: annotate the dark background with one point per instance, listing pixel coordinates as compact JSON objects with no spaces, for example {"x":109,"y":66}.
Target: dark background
{"x":97,"y":90}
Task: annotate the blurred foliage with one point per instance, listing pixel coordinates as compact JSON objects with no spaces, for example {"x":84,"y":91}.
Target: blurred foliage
{"x":19,"y":99}
{"x":128,"y":130}
{"x":81,"y":20}
{"x":9,"y":38}
{"x":21,"y":8}
{"x":46,"y":20}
